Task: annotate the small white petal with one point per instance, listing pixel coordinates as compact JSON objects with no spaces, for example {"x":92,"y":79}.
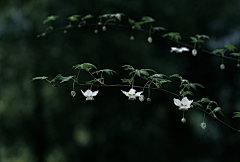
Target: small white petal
{"x":124,"y":92}
{"x":184,"y":49}
{"x":173,"y":49}
{"x":88,"y":93}
{"x":138,"y":93}
{"x":132,"y":91}
{"x":83,"y":93}
{"x":177,"y":102}
{"x":95,"y":93}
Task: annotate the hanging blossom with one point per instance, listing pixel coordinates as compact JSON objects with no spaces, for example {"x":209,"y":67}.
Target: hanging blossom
{"x":132,"y":94}
{"x":89,"y":94}
{"x":179,"y":50}
{"x":184,"y":104}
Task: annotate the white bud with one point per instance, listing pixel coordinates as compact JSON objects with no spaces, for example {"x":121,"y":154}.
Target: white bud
{"x":132,"y":38}
{"x":96,"y":31}
{"x":149,"y":39}
{"x":104,"y":28}
{"x":194,"y":52}
{"x":222,"y":66}
{"x":238,"y":65}
{"x":73,"y":93}
{"x":141,"y":98}
{"x":203,"y":125}
{"x":148,"y":100}
{"x":183,"y":120}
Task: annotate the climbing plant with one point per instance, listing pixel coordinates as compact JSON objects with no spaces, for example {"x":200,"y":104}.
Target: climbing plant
{"x":153,"y":79}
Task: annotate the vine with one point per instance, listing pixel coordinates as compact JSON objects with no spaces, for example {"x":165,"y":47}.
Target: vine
{"x":153,"y":80}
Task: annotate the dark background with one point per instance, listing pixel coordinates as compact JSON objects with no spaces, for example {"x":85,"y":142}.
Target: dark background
{"x":41,"y":123}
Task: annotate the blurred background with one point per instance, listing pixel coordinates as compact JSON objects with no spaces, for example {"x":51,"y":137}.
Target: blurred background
{"x":41,"y":123}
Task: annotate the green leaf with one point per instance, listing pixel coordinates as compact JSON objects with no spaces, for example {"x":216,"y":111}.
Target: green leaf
{"x":138,"y":72}
{"x":108,"y":71}
{"x":144,"y":72}
{"x":39,"y":78}
{"x":218,"y":110}
{"x":196,"y":104}
{"x":237,"y":115}
{"x":173,"y":35}
{"x":158,"y":76}
{"x":93,"y":81}
{"x":85,"y":66}
{"x":158,"y":28}
{"x":221,"y":51}
{"x":58,"y":77}
{"x":193,"y":86}
{"x":149,"y":70}
{"x":235,"y":54}
{"x":117,"y":16}
{"x":147,"y":19}
{"x":65,"y":79}
{"x":194,"y":40}
{"x":128,"y":67}
{"x":184,"y":80}
{"x":126,"y":81}
{"x":199,"y":85}
{"x":202,"y":36}
{"x":50,"y":18}
{"x":230,"y":47}
{"x":187,"y":93}
{"x":176,"y":75}
{"x":132,"y":22}
{"x":89,"y":16}
{"x":213,"y":102}
{"x":203,"y":100}
{"x":137,"y":25}
{"x":74,"y":17}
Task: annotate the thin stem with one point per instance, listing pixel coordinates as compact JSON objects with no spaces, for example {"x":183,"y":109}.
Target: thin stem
{"x":78,"y":75}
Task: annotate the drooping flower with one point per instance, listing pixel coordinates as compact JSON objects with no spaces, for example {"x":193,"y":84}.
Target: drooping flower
{"x":73,"y":93}
{"x":132,"y":94}
{"x":89,"y":94}
{"x":184,"y":104}
{"x":179,"y":50}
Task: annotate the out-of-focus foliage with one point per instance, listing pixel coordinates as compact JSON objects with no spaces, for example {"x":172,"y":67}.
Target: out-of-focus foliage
{"x":39,"y":122}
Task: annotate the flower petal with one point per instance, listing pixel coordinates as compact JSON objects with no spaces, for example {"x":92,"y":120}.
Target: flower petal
{"x":126,"y":93}
{"x":177,"y":102}
{"x":95,"y":93}
{"x":184,"y":49}
{"x":132,"y":91}
{"x":139,"y":93}
{"x":173,"y":49}
{"x":83,"y":93}
{"x":88,"y":93}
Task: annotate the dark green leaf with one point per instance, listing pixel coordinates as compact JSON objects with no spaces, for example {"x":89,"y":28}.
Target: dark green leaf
{"x":235,"y":54}
{"x":39,"y":78}
{"x":213,"y":102}
{"x":230,"y":47}
{"x":196,"y":104}
{"x":203,"y":100}
{"x":50,"y":18}
{"x":193,"y":86}
{"x":187,"y":93}
{"x":138,"y":73}
{"x":218,"y":110}
{"x":65,"y":79}
{"x":85,"y":66}
{"x":74,"y":17}
{"x":237,"y":115}
{"x":199,"y":85}
{"x":158,"y":28}
{"x":220,"y":51}
{"x":126,"y":81}
{"x":148,"y":19}
{"x":144,"y":72}
{"x":149,"y":70}
{"x":89,"y":16}
{"x":176,"y":75}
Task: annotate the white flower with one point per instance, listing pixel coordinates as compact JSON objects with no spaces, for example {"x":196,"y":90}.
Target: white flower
{"x":179,"y":50}
{"x":89,"y":94}
{"x":132,"y":94}
{"x":185,"y":104}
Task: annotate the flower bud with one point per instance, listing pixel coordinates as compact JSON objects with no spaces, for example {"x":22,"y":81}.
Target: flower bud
{"x":148,"y":100}
{"x":222,"y":66}
{"x":95,"y":31}
{"x":238,"y":65}
{"x":79,"y":26}
{"x":132,"y":38}
{"x":65,"y":31}
{"x":73,"y":93}
{"x":194,"y":52}
{"x":203,"y":125}
{"x":149,"y":39}
{"x":141,"y":98}
{"x":104,"y":28}
{"x":183,"y":120}
{"x":99,"y":23}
